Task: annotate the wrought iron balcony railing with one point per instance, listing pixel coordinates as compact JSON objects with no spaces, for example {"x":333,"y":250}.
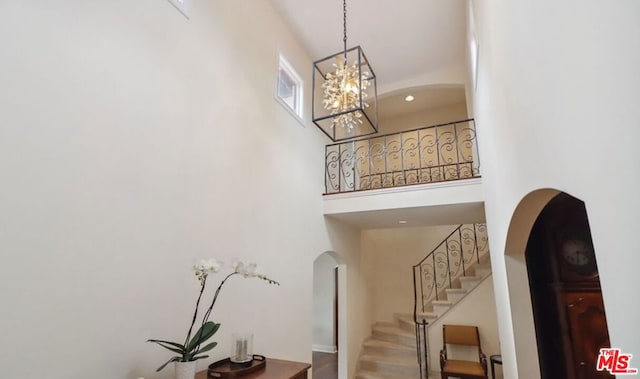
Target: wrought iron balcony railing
{"x":432,"y":154}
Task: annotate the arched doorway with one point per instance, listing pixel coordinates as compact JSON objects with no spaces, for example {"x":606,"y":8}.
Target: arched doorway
{"x":535,"y":253}
{"x":568,"y":310}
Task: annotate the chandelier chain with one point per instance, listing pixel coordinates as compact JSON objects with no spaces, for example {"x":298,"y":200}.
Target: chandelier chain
{"x":344,"y":22}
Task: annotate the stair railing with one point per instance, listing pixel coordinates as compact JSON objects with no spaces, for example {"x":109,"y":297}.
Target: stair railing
{"x":421,"y":348}
{"x":440,"y":270}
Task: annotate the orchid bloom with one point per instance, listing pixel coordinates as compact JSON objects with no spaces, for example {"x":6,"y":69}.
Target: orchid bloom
{"x":206,"y":267}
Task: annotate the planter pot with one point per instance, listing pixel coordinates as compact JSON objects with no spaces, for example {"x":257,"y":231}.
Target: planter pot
{"x":185,"y":370}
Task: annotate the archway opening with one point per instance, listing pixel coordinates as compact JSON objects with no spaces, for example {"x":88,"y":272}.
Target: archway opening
{"x":568,"y":311}
{"x":554,"y":288}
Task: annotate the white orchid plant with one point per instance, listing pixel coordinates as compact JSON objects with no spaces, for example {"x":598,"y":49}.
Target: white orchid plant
{"x":194,"y":347}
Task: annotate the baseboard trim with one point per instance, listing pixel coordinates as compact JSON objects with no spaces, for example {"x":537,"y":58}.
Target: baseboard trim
{"x":324,"y":349}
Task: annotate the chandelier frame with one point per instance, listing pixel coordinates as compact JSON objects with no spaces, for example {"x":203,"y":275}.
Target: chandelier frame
{"x":344,"y":95}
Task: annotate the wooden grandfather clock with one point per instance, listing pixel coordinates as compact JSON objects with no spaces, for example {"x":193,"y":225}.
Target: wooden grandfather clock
{"x":573,"y":317}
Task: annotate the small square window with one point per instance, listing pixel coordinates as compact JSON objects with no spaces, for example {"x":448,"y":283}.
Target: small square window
{"x":289,"y":88}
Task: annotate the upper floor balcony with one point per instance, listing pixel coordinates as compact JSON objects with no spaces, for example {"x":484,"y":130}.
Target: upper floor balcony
{"x":431,"y":154}
{"x":425,"y":170}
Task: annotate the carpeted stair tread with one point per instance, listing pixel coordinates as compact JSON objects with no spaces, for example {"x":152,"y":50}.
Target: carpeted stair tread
{"x":392,"y":329}
{"x":364,"y":374}
{"x":372,"y":342}
{"x":411,"y":361}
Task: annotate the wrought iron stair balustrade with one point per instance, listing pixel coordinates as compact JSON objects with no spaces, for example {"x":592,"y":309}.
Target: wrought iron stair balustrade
{"x":426,"y":155}
{"x":439,"y":271}
{"x":446,"y":263}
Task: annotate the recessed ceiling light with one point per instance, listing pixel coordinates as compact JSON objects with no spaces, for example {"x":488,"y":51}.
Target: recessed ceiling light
{"x":402,"y":222}
{"x":409,"y":98}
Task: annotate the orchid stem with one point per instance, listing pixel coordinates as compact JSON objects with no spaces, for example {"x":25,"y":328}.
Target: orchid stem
{"x":215,"y":297}
{"x":195,"y":314}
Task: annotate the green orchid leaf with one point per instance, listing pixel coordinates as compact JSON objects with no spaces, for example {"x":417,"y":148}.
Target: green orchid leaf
{"x":207,"y":347}
{"x":174,"y":359}
{"x":179,"y":346}
{"x":169,"y":347}
{"x":205,"y":332}
{"x":200,"y":357}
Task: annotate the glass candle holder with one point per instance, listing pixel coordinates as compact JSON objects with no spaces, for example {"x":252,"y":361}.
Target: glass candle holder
{"x":241,"y":348}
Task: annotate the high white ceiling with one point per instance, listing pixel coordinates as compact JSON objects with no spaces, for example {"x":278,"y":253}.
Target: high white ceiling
{"x":406,"y":41}
{"x":425,"y":98}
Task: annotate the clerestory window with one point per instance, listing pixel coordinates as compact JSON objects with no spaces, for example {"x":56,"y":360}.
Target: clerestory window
{"x":289,"y":88}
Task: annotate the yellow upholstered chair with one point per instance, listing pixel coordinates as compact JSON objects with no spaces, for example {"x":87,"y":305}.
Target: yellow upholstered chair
{"x":465,"y":369}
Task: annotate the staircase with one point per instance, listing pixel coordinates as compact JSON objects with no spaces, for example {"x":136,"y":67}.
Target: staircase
{"x":391,"y":351}
{"x":450,"y":296}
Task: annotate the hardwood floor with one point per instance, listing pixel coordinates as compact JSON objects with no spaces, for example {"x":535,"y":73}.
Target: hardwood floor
{"x":325,"y":365}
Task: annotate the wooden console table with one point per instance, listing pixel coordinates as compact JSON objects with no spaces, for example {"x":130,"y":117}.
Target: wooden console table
{"x":275,"y":369}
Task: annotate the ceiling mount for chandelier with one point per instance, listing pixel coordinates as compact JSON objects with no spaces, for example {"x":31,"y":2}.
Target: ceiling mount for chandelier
{"x":344,"y":93}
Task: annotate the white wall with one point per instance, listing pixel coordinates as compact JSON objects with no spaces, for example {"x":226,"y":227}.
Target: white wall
{"x":440,"y":115}
{"x":133,"y":142}
{"x":392,"y":253}
{"x":357,"y":302}
{"x":556,"y":107}
{"x":324,"y":303}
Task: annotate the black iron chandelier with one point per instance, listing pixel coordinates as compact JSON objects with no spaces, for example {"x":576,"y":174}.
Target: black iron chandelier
{"x":345,"y":99}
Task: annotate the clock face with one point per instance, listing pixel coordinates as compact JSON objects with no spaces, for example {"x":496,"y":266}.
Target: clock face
{"x":578,"y":255}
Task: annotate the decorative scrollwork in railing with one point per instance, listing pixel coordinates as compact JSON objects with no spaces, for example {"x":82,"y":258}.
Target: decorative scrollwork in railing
{"x":426,"y":155}
{"x":438,"y":271}
{"x":448,"y":262}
